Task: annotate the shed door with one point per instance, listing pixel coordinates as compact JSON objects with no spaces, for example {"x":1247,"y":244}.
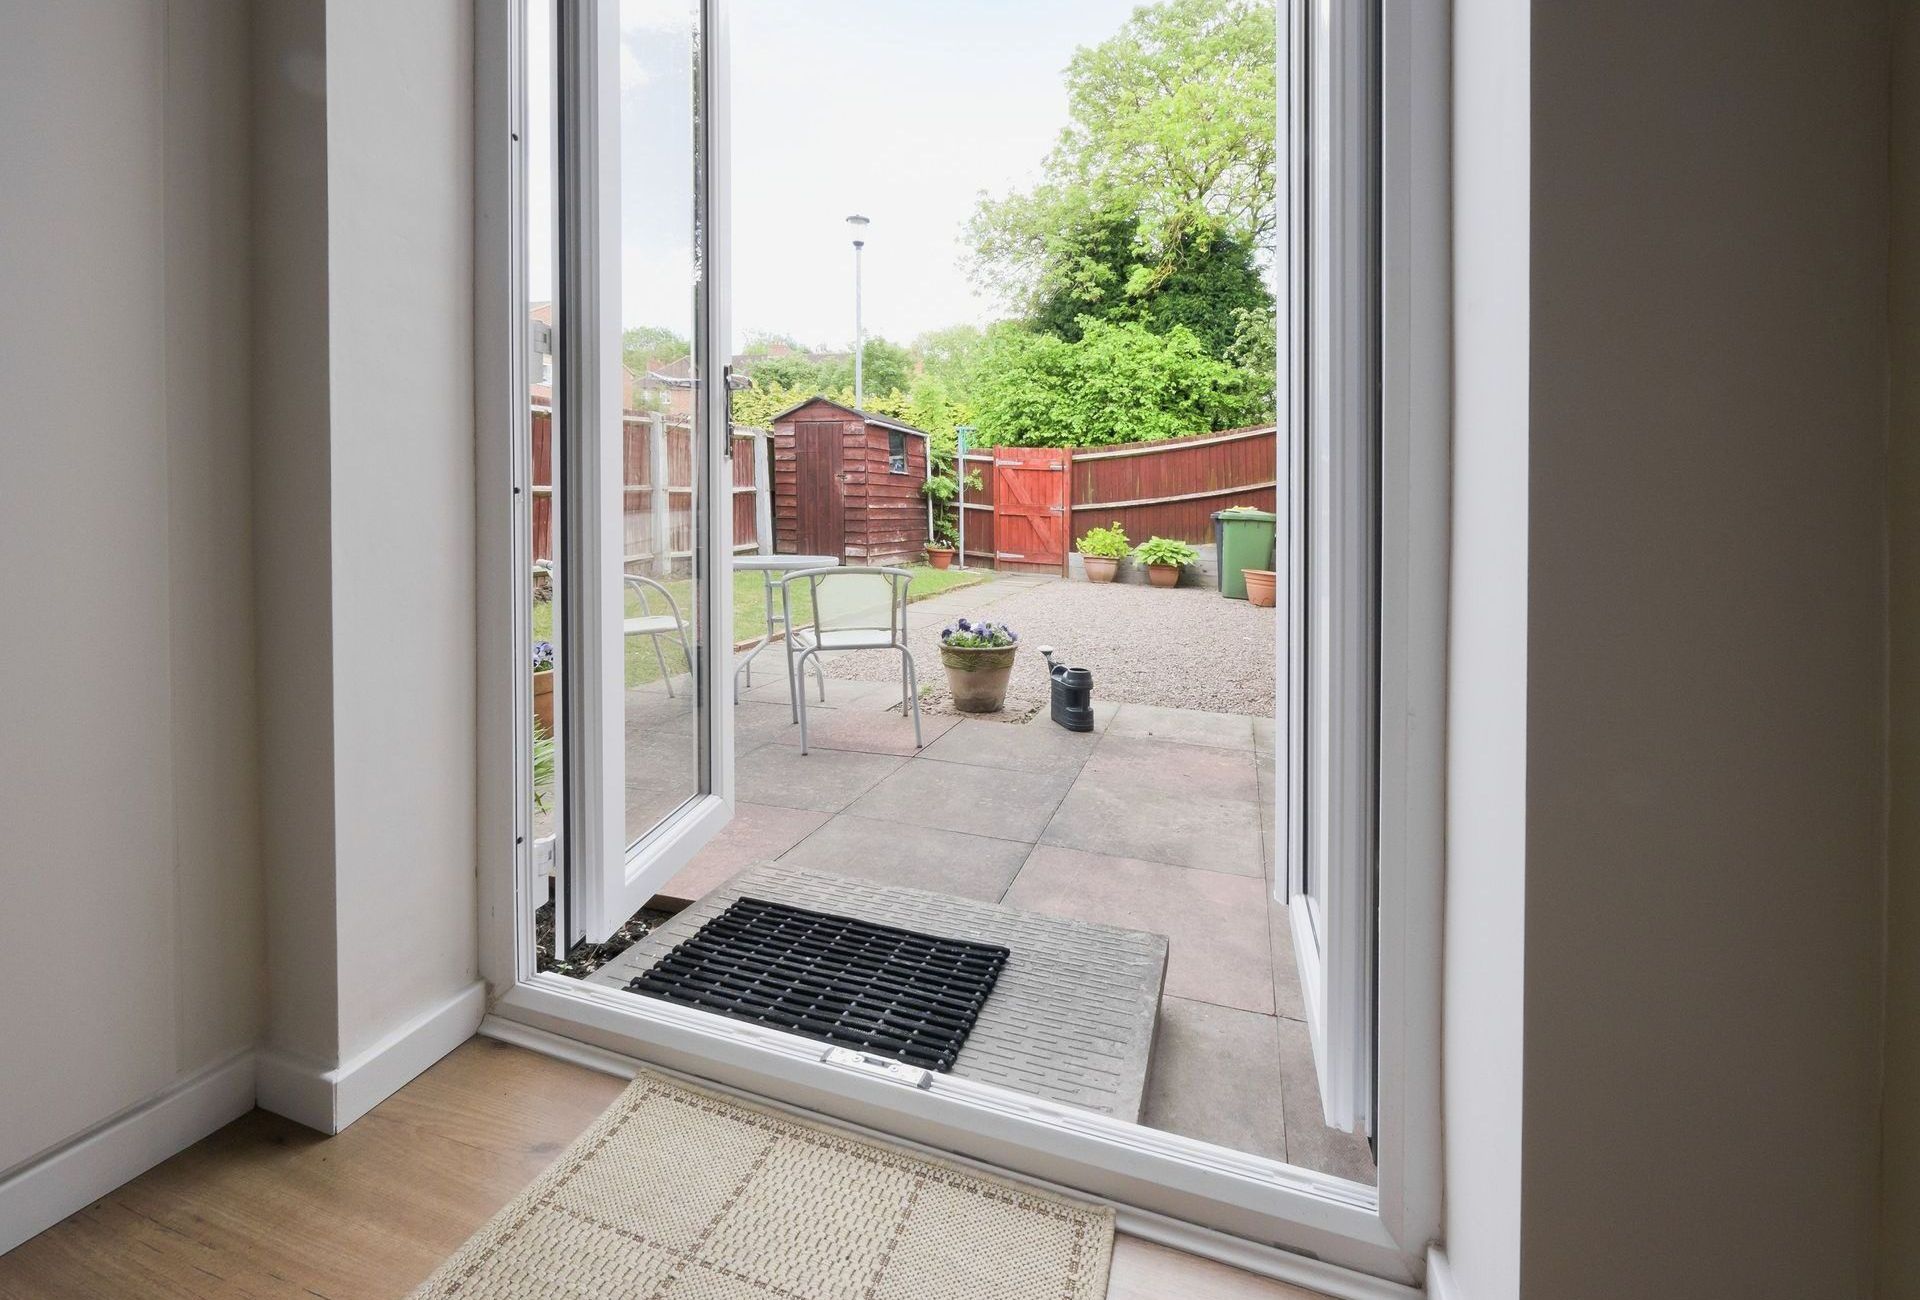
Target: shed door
{"x":820,"y":509}
{"x":1030,"y":509}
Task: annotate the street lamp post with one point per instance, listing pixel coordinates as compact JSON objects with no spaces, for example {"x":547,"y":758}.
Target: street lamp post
{"x":859,"y":224}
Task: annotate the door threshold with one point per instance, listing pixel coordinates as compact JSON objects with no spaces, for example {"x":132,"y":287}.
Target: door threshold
{"x":1334,"y":1218}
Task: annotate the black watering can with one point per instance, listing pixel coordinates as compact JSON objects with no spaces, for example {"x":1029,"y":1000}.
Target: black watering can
{"x":1072,"y":693}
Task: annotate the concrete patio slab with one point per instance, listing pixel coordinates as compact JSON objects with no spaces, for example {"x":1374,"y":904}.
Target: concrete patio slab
{"x":758,"y":833}
{"x":1218,"y":949}
{"x":1037,"y":746}
{"x":1071,"y":1018}
{"x":869,"y":731}
{"x":826,"y":780}
{"x":1204,"y":1058}
{"x":1171,"y":826}
{"x":1152,"y":763}
{"x":973,"y":800}
{"x":918,"y":857}
{"x":1288,"y":1000}
{"x":1189,"y":726}
{"x":1310,"y":1143}
{"x":842,"y":693}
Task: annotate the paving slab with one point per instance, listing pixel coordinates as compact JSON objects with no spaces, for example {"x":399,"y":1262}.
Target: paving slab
{"x":757,"y":833}
{"x":917,"y":857}
{"x":1071,"y":1018}
{"x":1171,"y":826}
{"x":1036,"y":746}
{"x":1190,"y":726}
{"x":1288,"y":1000}
{"x":1149,"y":763}
{"x":866,"y":730}
{"x":1211,"y":1078}
{"x":826,"y":780}
{"x":1216,"y":925}
{"x":973,"y":800}
{"x":1310,"y":1143}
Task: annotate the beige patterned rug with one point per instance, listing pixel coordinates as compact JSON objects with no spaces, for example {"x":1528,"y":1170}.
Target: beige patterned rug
{"x":680,"y":1194}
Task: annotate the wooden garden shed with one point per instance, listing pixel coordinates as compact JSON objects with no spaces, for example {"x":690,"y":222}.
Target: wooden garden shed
{"x":847,"y":483}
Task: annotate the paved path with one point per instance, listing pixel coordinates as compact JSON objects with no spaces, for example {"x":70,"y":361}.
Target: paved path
{"x":1160,"y":820}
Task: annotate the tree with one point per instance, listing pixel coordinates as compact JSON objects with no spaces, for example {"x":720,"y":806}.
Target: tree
{"x":1173,"y":120}
{"x":644,"y":347}
{"x":1119,"y":383}
{"x":1202,"y":282}
{"x":885,"y":367}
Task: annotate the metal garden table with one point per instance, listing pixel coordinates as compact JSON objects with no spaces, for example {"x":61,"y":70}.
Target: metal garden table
{"x":777,"y":619}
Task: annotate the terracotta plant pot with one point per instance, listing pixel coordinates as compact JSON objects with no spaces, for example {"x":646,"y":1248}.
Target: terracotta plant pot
{"x":940,"y":557}
{"x":543,"y":699}
{"x":1100,"y":568}
{"x":978,"y":677}
{"x":1163,"y":575}
{"x":1259,"y":587}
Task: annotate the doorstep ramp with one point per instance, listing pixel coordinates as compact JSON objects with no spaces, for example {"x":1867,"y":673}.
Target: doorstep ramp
{"x":1071,"y":1018}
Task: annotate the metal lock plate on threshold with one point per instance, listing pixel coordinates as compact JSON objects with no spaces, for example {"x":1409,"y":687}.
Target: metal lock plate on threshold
{"x":879,"y":1066}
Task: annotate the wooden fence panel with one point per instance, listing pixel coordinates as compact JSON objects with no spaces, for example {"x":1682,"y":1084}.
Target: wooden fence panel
{"x":1172,"y":488}
{"x":981,"y":539}
{"x":642,"y":493}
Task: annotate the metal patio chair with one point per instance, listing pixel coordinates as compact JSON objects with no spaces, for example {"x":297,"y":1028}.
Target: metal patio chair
{"x":853,"y":609}
{"x":655,"y":626}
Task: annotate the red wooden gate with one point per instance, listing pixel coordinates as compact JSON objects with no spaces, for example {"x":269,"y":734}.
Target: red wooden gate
{"x":1030,"y":517}
{"x":820,"y":511}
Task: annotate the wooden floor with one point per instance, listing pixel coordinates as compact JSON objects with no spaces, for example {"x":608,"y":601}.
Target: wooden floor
{"x":266,"y":1209}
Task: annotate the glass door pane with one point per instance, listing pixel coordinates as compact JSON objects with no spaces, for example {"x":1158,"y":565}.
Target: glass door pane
{"x":664,"y":492}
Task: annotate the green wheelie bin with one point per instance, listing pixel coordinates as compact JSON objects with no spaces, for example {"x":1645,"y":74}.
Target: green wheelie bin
{"x":1243,"y":538}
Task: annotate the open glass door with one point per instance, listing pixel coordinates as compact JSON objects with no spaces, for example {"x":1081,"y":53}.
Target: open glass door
{"x":1328,"y":684}
{"x":646,"y":541}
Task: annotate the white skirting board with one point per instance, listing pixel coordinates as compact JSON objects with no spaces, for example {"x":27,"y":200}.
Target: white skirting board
{"x":327,"y":1099}
{"x":1440,"y":1283}
{"x":74,"y":1175}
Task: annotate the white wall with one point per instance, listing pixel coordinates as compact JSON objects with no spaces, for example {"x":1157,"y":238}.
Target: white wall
{"x":400,"y":257}
{"x":365,"y":495}
{"x":131,"y":939}
{"x":1704,"y":633}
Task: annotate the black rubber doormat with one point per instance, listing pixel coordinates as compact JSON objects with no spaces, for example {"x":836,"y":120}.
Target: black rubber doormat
{"x":913,"y":997}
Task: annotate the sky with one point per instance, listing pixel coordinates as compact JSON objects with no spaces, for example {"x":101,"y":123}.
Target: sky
{"x":903,"y":112}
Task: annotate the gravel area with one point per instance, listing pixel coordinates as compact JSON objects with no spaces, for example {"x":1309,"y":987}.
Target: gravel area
{"x":1184,"y":648}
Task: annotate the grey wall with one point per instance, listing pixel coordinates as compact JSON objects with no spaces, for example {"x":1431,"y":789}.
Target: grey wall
{"x":131,"y":935}
{"x":1899,"y":1259}
{"x":1704,"y":631}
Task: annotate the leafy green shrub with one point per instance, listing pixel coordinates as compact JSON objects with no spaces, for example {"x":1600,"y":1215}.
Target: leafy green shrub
{"x":1105,"y":543}
{"x":1164,"y":550}
{"x":944,"y":533}
{"x":545,"y":760}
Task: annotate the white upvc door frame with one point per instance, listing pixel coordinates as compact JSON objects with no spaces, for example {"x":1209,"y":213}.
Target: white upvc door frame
{"x":1335,"y":433}
{"x":606,"y":878}
{"x":1321,"y":1231}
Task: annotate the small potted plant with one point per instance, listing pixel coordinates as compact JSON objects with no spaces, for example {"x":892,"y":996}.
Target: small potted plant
{"x":978,"y":655}
{"x":1101,"y":551}
{"x":940,"y":547}
{"x":543,"y":684}
{"x":1164,"y":559}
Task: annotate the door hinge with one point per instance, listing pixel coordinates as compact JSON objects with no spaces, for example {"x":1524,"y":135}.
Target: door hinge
{"x":879,"y":1066}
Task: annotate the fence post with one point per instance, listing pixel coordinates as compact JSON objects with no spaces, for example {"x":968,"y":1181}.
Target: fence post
{"x":660,"y":500}
{"x":763,"y":491}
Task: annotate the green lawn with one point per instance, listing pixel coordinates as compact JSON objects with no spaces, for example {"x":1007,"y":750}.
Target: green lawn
{"x":749,"y":613}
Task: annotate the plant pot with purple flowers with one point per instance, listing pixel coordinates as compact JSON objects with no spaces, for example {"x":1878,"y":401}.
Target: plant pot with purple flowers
{"x":978,"y":656}
{"x":543,"y":684}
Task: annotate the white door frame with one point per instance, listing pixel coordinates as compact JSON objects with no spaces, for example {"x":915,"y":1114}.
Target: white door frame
{"x":606,"y":878}
{"x":1383,"y":1233}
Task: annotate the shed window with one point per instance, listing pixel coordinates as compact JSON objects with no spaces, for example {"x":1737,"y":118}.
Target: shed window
{"x":896,"y":451}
